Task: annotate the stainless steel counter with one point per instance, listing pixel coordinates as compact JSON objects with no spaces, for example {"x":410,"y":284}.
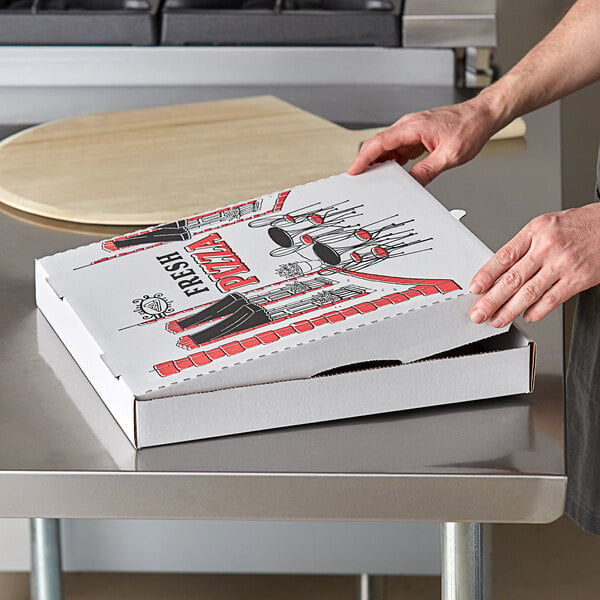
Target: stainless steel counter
{"x":62,"y":455}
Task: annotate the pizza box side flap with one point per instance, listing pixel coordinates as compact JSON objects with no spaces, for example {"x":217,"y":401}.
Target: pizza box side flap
{"x":287,"y":403}
{"x":516,"y":337}
{"x":89,"y":356}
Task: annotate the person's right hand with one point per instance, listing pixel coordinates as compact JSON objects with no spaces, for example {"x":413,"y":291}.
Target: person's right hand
{"x":452,"y":135}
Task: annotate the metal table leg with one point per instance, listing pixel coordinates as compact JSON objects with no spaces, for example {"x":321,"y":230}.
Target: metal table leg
{"x":466,"y":561}
{"x":466,"y":564}
{"x":370,"y":587}
{"x":46,"y":569}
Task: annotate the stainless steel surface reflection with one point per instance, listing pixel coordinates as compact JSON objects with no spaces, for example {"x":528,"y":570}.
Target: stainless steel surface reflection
{"x":62,"y":455}
{"x":420,"y":441}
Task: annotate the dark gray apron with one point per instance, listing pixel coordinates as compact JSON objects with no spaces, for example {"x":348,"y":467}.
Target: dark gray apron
{"x":583,"y":410}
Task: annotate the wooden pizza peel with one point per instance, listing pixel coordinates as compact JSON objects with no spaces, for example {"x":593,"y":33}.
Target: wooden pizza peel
{"x":154,"y":165}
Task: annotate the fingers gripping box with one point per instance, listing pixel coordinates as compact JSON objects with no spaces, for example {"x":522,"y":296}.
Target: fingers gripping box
{"x":315,"y":303}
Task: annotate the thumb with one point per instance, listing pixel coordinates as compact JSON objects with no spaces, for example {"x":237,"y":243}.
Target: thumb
{"x":426,"y":170}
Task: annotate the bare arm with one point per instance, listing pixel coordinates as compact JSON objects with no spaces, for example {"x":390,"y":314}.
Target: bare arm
{"x":567,"y":59}
{"x":556,"y":255}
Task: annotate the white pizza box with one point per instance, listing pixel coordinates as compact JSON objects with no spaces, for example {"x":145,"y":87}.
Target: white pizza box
{"x":275,"y":311}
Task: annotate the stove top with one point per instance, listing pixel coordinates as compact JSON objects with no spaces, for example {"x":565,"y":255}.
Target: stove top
{"x":278,"y":5}
{"x":282,"y":22}
{"x":201,"y":22}
{"x":79,"y":22}
{"x":35,"y":6}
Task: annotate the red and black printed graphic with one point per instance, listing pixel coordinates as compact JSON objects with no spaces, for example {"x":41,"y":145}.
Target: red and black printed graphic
{"x":264,"y":296}
{"x":270,"y":335}
{"x":185,"y":229}
{"x":169,"y":232}
{"x":328,"y":235}
{"x":236,"y":313}
{"x":328,"y":242}
{"x":152,"y":307}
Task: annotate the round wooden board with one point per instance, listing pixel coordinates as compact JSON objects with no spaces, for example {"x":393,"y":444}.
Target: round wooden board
{"x":155,"y":165}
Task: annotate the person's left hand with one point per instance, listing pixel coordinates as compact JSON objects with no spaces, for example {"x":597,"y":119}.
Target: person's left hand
{"x":554,"y":257}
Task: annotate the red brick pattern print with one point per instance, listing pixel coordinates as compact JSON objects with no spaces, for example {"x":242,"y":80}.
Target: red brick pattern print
{"x":267,"y":337}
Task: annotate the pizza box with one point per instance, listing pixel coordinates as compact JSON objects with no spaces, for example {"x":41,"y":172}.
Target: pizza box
{"x":506,"y":422}
{"x":339,"y":298}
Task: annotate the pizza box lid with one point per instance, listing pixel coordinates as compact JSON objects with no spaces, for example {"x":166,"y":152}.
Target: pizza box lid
{"x":278,"y":286}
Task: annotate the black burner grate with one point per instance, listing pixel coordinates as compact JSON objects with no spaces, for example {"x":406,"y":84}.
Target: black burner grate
{"x":282,"y":22}
{"x":85,"y":22}
{"x":201,"y":22}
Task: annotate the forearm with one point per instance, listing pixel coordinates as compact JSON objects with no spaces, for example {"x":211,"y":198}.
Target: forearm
{"x":567,"y":59}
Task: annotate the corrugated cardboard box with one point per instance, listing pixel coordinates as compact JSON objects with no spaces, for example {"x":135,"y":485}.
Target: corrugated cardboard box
{"x":310,"y":304}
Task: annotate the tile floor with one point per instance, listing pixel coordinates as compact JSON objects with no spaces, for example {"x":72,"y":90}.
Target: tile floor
{"x":549,"y":562}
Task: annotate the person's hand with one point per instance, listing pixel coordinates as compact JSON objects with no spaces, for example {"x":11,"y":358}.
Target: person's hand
{"x":452,"y":134}
{"x":554,"y":257}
